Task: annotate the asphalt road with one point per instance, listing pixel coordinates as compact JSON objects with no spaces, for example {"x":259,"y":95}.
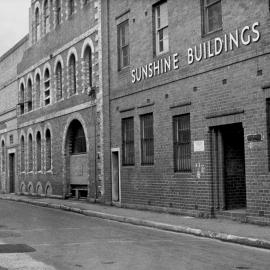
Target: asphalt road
{"x":62,"y":240}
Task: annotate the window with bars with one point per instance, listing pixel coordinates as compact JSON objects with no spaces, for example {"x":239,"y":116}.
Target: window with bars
{"x":48,"y":141}
{"x":47,"y":87}
{"x":88,"y":66}
{"x":71,"y":7}
{"x":123,"y":44}
{"x":211,"y":16}
{"x":29,"y":95}
{"x":22,"y":155}
{"x":21,"y":99}
{"x":46,"y":17}
{"x":3,"y":156}
{"x":72,"y":74}
{"x":37,"y":25}
{"x":38,"y":151}
{"x":37,"y":90}
{"x":182,"y":143}
{"x":58,"y":11}
{"x":161,"y":28}
{"x":128,"y":154}
{"x":59,"y":81}
{"x":147,"y":139}
{"x":30,"y":153}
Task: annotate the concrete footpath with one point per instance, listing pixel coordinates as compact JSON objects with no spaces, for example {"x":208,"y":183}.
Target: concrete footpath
{"x":220,"y":229}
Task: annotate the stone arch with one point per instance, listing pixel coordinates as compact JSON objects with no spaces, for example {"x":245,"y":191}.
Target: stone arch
{"x":30,"y":159}
{"x":74,"y":155}
{"x":48,"y":130}
{"x":71,"y":51}
{"x":48,"y":189}
{"x":31,"y":188}
{"x":38,"y":130}
{"x":59,"y":59}
{"x":39,"y":188}
{"x":87,"y":42}
{"x":29,"y":91}
{"x":45,"y":67}
{"x":37,"y":88}
{"x":23,"y":187}
{"x":22,"y":161}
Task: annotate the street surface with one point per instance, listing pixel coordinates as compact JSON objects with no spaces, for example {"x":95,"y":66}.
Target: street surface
{"x":68,"y":241}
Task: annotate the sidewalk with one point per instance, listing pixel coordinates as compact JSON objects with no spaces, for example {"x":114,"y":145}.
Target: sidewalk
{"x":220,"y":229}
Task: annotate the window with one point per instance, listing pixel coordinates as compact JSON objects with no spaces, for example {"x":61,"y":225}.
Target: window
{"x":128,"y":141}
{"x":46,"y":16}
{"x":3,"y":156}
{"x":88,"y":66}
{"x":58,"y":11}
{"x":123,"y":44}
{"x":21,"y":99}
{"x":147,"y":139}
{"x":47,"y":87}
{"x":181,"y":143}
{"x":38,"y":90}
{"x":59,"y":81}
{"x":22,"y":155}
{"x":78,"y":140}
{"x":211,"y":15}
{"x":48,"y":150}
{"x":29,"y":95}
{"x":72,"y":74}
{"x":11,"y":139}
{"x":161,"y":28}
{"x":38,"y":151}
{"x":37,"y":25}
{"x":71,"y":7}
{"x":30,"y":153}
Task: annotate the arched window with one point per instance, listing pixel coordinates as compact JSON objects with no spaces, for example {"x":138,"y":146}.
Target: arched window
{"x":47,"y":87}
{"x":71,"y":7}
{"x":88,"y":68}
{"x":58,"y":11}
{"x":78,"y":139}
{"x":37,"y":90}
{"x":21,"y":99}
{"x":72,"y":74}
{"x":22,"y":155}
{"x":29,"y":95}
{"x":38,"y":151}
{"x":59,"y":81}
{"x":46,"y":16}
{"x":37,"y":25}
{"x":48,"y":149}
{"x":3,"y":156}
{"x":30,"y":153}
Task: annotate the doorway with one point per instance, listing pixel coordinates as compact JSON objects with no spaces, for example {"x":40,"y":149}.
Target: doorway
{"x":11,"y":173}
{"x":115,"y":175}
{"x":229,"y":179}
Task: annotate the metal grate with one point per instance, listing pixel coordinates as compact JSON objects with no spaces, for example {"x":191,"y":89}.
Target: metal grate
{"x":128,"y":141}
{"x":181,"y":142}
{"x":147,"y":139}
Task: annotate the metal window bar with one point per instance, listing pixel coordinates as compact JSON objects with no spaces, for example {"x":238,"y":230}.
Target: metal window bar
{"x":182,"y":143}
{"x":128,"y":141}
{"x":147,"y":140}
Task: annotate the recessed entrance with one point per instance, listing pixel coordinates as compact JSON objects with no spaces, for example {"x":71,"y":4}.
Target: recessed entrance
{"x":77,"y":160}
{"x":229,"y":181}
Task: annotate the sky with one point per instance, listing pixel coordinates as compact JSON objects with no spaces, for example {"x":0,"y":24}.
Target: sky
{"x":14,"y":16}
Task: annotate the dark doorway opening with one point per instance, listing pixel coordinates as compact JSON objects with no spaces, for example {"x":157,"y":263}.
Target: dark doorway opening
{"x":11,"y":173}
{"x":229,"y":178}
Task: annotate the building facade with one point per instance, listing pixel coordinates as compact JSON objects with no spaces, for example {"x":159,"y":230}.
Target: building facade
{"x":189,"y":106}
{"x":8,"y":116}
{"x":60,"y":97}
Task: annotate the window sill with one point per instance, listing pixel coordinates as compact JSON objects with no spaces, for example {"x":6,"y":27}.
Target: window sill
{"x":212,"y":33}
{"x":161,"y":55}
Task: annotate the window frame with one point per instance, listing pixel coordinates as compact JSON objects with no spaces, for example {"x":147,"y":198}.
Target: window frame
{"x":48,"y":150}
{"x":39,"y":151}
{"x":46,"y":17}
{"x":120,"y":47}
{"x":30,"y":153}
{"x":58,"y":15}
{"x":59,"y":81}
{"x":72,"y":69}
{"x":157,"y":29}
{"x":47,"y":87}
{"x":205,"y":18}
{"x":128,"y":142}
{"x":177,"y":144}
{"x":147,"y":140}
{"x":22,"y":148}
{"x":71,"y":8}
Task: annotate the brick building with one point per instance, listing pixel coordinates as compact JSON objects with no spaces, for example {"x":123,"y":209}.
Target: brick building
{"x":8,"y":117}
{"x":60,"y":100}
{"x":189,"y":106}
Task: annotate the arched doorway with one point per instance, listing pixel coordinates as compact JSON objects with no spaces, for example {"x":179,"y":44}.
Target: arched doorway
{"x":77,"y":160}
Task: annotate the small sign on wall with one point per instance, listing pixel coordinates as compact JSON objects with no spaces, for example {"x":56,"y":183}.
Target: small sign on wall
{"x":199,"y":146}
